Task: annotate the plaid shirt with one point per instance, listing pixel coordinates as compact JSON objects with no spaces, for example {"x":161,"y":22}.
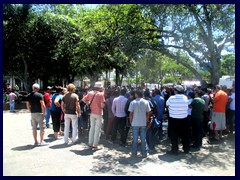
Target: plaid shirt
{"x":97,"y":102}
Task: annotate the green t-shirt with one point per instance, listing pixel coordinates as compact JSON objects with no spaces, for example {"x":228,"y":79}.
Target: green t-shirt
{"x":198,"y":105}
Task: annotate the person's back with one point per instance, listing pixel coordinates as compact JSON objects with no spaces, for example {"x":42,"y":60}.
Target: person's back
{"x":34,"y":100}
{"x":198,"y":105}
{"x":178,"y":106}
{"x":140,"y":107}
{"x":97,"y":100}
{"x":160,"y":104}
{"x":70,"y":100}
{"x":178,"y":122}
{"x":35,"y":104}
{"x":221,"y":100}
{"x":139,"y":114}
{"x":71,"y":108}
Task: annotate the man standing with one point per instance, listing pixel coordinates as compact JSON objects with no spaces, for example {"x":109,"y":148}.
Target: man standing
{"x":48,"y":103}
{"x":218,"y":121}
{"x":35,"y":104}
{"x":178,"y":112}
{"x":119,"y":122}
{"x":12,"y":97}
{"x":71,"y":109}
{"x":161,"y":107}
{"x":197,"y":105}
{"x":55,"y":111}
{"x":139,"y":115}
{"x":97,"y":98}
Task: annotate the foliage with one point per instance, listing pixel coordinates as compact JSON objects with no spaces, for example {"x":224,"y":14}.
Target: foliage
{"x":66,"y":41}
{"x":228,"y":65}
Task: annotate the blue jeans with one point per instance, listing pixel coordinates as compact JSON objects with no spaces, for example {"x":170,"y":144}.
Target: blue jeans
{"x":12,"y":105}
{"x":142,"y":130}
{"x":151,"y":139}
{"x":47,"y":115}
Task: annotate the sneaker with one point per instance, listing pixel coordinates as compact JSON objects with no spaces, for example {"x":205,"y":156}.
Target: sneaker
{"x":97,"y":148}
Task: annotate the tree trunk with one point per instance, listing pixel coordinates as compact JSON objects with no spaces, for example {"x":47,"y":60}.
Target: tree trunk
{"x":117,"y":77}
{"x":215,"y":71}
{"x":26,"y":80}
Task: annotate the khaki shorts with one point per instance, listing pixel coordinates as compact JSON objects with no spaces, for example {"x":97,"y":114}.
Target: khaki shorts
{"x":218,"y":121}
{"x":38,"y":118}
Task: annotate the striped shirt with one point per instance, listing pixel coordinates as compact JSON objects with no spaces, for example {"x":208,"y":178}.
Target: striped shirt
{"x":118,"y":106}
{"x":178,"y":106}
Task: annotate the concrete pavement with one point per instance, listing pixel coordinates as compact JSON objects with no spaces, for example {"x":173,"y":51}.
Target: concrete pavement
{"x":22,"y":158}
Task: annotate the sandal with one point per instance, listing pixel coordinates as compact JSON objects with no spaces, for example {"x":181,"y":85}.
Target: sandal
{"x":96,"y":148}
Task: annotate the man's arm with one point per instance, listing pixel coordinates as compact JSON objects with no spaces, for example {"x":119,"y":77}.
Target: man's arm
{"x":62,"y":107}
{"x":131,"y":117}
{"x":43,"y":106}
{"x":28,"y":106}
{"x":78,"y":108}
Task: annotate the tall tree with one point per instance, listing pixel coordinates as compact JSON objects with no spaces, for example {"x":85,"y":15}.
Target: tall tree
{"x":200,"y":31}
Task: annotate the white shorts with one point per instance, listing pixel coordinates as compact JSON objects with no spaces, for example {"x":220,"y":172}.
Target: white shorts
{"x":218,"y":121}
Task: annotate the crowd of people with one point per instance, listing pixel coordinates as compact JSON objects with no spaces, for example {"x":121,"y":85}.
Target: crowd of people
{"x":191,"y":112}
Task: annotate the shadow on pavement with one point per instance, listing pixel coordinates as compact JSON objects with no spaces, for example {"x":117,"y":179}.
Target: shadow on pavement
{"x":112,"y":163}
{"x":24,"y":148}
{"x":84,"y":152}
{"x":60,"y":146}
{"x":212,"y":153}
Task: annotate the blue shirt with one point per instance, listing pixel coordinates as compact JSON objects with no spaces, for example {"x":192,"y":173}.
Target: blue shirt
{"x":160,"y":105}
{"x":53,"y":106}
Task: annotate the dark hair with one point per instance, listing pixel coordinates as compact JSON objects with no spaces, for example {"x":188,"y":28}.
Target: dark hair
{"x":123,"y":92}
{"x":199,"y":93}
{"x":132,"y":93}
{"x":146,"y":93}
{"x":139,"y":93}
{"x":58,"y":90}
{"x":191,"y":95}
{"x":157,"y":91}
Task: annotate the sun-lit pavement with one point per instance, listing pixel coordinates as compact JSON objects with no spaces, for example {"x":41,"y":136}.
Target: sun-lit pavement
{"x":22,"y":158}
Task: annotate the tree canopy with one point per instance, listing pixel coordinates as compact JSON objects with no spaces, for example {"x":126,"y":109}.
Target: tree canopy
{"x":58,"y":42}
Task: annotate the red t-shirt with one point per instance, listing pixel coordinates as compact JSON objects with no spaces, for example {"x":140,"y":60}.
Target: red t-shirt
{"x":47,"y":99}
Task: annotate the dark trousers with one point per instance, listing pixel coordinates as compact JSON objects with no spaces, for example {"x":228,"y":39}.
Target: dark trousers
{"x":119,"y":124}
{"x":205,"y":122}
{"x":180,"y":129}
{"x":197,"y":131}
{"x":231,"y":120}
{"x":56,"y":118}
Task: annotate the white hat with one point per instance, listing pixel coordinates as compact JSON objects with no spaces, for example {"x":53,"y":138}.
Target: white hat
{"x":35,"y":86}
{"x":178,"y":88}
{"x":98,"y":85}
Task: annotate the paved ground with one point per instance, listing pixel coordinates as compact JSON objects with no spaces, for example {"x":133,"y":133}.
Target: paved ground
{"x":21,"y":158}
